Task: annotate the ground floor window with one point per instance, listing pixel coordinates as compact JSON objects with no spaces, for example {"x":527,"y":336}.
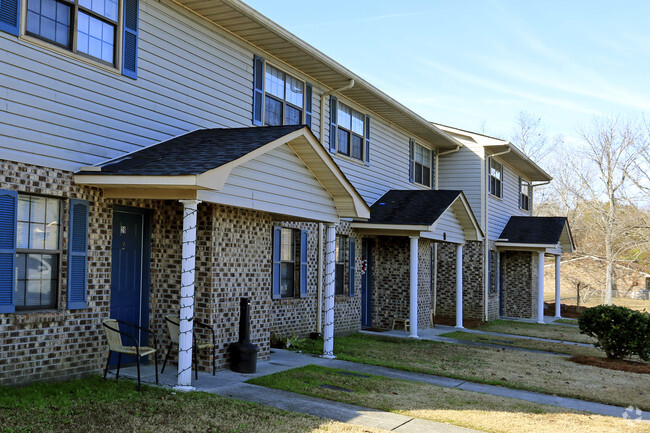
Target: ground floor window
{"x":339,"y":253}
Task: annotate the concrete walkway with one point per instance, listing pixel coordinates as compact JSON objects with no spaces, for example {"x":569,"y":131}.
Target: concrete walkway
{"x":231,"y":384}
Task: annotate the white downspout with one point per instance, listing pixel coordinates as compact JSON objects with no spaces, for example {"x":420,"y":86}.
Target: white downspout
{"x":322,"y":106}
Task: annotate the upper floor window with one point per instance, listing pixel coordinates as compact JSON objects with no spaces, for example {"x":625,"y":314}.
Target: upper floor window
{"x":350,"y":134}
{"x":524,"y":194}
{"x":38,"y":251}
{"x":422,"y":165}
{"x":495,"y":178}
{"x":284,"y":98}
{"x":85,"y":27}
{"x":104,"y":31}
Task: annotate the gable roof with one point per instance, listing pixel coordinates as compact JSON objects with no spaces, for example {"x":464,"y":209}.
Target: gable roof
{"x":543,"y":232}
{"x":254,"y":28}
{"x":198,"y":164}
{"x":193,"y":153}
{"x":411,"y":207}
{"x":417,"y":212}
{"x":506,"y":151}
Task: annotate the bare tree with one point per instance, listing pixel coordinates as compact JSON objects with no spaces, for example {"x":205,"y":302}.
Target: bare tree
{"x":612,"y":146}
{"x":532,"y":137}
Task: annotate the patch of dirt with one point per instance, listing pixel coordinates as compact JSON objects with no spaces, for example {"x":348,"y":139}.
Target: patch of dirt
{"x":567,"y":311}
{"x":613,"y":364}
{"x":451,"y":321}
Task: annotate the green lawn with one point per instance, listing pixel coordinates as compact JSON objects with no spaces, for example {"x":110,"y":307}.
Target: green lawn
{"x":553,"y":332}
{"x":449,"y":405}
{"x":95,"y":405}
{"x":569,"y":349}
{"x":549,"y":374}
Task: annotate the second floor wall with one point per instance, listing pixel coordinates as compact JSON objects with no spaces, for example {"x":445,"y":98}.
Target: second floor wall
{"x":66,"y":110}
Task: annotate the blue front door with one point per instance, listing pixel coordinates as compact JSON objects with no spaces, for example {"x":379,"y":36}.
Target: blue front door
{"x":129,"y":291}
{"x":366,"y":284}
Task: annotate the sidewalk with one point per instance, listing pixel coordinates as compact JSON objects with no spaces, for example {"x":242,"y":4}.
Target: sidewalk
{"x":231,"y":384}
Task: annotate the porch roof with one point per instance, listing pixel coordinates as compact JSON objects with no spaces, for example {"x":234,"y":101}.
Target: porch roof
{"x":525,"y":232}
{"x":427,"y":213}
{"x":200,"y":164}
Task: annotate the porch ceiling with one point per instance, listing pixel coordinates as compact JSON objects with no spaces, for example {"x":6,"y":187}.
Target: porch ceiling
{"x":249,"y":25}
{"x":202,"y":165}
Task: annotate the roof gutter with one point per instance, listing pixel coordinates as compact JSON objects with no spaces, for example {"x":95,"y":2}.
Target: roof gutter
{"x":322,"y":105}
{"x":450,"y":151}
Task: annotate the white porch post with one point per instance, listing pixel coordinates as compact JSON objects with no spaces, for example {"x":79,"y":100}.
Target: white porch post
{"x":413,"y":305}
{"x":184,"y":375}
{"x":557,"y":286}
{"x":540,"y":287}
{"x":330,"y":269}
{"x":459,"y":286}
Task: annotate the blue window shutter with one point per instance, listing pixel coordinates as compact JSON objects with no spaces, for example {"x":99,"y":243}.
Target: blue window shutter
{"x":78,"y":254}
{"x":411,"y":160}
{"x":367,"y":140}
{"x":490,"y":271}
{"x":519,"y":192}
{"x":10,"y":16}
{"x":258,"y":90}
{"x":308,"y":104}
{"x":333,"y":114}
{"x":8,"y":218}
{"x":277,"y":245}
{"x":130,"y":39}
{"x":353,"y":265}
{"x":304,"y":234}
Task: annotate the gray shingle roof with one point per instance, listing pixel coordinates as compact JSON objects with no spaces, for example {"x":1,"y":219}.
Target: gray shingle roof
{"x":195,"y":152}
{"x":411,"y":207}
{"x":533,"y":230}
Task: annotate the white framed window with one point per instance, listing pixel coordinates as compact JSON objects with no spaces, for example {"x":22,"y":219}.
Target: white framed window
{"x":38,"y":252}
{"x":283,"y":98}
{"x":524,"y":195}
{"x":288,"y":265}
{"x":495,"y":178}
{"x":422,"y":163}
{"x":340,"y":249}
{"x":350,"y":132}
{"x":85,"y":27}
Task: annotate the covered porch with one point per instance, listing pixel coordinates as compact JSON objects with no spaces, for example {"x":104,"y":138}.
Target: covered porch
{"x":204,"y":207}
{"x":405,"y":227}
{"x":523,"y":246}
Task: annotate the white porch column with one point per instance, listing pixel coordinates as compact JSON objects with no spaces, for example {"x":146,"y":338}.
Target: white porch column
{"x":413,"y":306}
{"x":184,"y":375}
{"x":459,"y":286}
{"x":557,"y":286}
{"x":540,"y":287}
{"x":330,"y":269}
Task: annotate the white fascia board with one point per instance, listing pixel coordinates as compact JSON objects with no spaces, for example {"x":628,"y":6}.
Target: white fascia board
{"x":390,"y":227}
{"x":185,"y":181}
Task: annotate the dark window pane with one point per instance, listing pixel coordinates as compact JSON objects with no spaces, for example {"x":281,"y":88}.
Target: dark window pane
{"x":356,"y":146}
{"x":286,"y":280}
{"x":426,"y":176}
{"x":293,"y":116}
{"x":338,"y":280}
{"x":273,"y":111}
{"x":49,"y":19}
{"x":344,"y":147}
{"x":418,"y":173}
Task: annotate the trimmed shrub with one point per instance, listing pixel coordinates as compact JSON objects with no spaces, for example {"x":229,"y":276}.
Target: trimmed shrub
{"x":619,"y":331}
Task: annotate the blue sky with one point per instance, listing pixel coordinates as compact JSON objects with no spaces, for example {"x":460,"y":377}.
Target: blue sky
{"x":476,"y":64}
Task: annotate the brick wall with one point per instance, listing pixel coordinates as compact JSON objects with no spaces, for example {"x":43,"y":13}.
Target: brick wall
{"x":519,"y":274}
{"x":473,"y":292}
{"x":233,"y":260}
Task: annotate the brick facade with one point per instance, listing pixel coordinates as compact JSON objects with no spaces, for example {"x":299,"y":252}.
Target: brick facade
{"x":57,"y":344}
{"x":519,"y":279}
{"x":473,"y":291}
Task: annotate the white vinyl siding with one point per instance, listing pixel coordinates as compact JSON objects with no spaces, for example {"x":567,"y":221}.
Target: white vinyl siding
{"x":500,"y":210}
{"x":448,"y":224}
{"x":277,"y":181}
{"x":462,"y":170}
{"x":62,"y":112}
